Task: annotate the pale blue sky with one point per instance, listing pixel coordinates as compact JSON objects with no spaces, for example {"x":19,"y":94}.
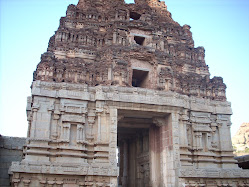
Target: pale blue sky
{"x":221,"y":26}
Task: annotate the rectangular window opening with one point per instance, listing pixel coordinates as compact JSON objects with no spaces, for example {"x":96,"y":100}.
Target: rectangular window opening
{"x":134,"y":16}
{"x":139,"y":40}
{"x":139,"y":78}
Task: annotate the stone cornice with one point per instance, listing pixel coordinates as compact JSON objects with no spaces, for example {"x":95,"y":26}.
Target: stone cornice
{"x":214,"y":173}
{"x":69,"y":169}
{"x":129,"y":94}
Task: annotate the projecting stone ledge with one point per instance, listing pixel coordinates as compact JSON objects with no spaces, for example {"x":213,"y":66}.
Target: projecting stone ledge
{"x":131,"y":95}
{"x":97,"y":169}
{"x":214,"y":173}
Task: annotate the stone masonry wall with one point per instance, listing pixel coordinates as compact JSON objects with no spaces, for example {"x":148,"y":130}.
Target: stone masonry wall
{"x":11,"y":149}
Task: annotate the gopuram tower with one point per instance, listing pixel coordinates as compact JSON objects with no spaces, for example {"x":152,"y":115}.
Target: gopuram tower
{"x":123,"y":98}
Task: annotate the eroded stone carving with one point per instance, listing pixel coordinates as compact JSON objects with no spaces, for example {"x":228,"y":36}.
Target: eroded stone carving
{"x":126,"y":77}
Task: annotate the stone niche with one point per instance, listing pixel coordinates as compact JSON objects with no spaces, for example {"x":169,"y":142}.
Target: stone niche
{"x":122,"y":98}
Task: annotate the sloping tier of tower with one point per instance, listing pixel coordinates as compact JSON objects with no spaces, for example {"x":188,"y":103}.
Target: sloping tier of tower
{"x":114,"y":43}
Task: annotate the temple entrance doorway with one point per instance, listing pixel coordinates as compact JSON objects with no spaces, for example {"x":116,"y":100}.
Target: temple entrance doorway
{"x":139,"y":149}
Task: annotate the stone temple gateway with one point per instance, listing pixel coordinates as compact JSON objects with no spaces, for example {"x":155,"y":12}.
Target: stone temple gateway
{"x":126,"y":77}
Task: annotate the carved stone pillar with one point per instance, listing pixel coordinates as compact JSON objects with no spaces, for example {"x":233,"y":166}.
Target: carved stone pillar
{"x":50,"y":110}
{"x":198,"y":140}
{"x":109,"y":74}
{"x":80,"y":133}
{"x":35,"y":109}
{"x":215,"y":136}
{"x":176,"y":147}
{"x":125,"y":164}
{"x":29,"y":124}
{"x":229,"y":134}
{"x":184,"y":120}
{"x":185,"y":139}
{"x":114,"y":37}
{"x":54,"y":129}
{"x":224,"y":130}
{"x":63,"y":36}
{"x":189,"y":135}
{"x":220,"y":135}
{"x":160,"y":141}
{"x":99,"y":111}
{"x":91,"y":121}
{"x":113,"y":137}
{"x":65,"y":132}
{"x":209,"y":137}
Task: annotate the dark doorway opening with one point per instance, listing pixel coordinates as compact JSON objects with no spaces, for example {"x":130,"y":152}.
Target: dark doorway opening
{"x":139,"y":144}
{"x":140,"y":78}
{"x":134,"y":152}
{"x":134,"y":16}
{"x":139,"y":40}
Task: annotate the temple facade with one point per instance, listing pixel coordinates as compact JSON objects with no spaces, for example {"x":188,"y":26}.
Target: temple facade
{"x":122,"y":98}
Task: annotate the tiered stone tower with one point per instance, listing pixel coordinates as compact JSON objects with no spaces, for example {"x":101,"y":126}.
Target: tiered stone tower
{"x":126,"y":77}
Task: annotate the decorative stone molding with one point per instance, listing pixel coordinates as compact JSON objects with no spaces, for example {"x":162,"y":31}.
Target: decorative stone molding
{"x":214,"y":173}
{"x":159,"y":121}
{"x":125,"y":94}
{"x":43,"y":183}
{"x":97,"y":170}
{"x":16,"y":182}
{"x":26,"y":183}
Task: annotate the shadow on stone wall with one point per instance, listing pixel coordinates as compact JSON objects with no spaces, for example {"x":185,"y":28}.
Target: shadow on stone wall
{"x":11,"y":149}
